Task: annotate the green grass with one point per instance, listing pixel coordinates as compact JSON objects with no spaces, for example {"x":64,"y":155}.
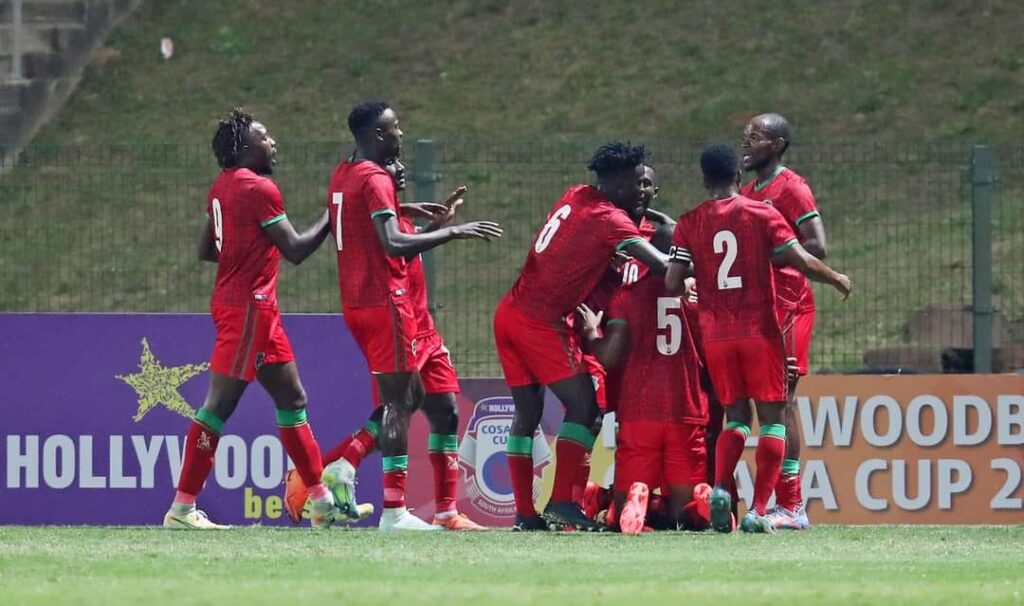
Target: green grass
{"x":849,"y":565}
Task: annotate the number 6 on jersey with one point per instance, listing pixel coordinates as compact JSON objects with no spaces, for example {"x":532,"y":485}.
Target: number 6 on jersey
{"x":550,"y":228}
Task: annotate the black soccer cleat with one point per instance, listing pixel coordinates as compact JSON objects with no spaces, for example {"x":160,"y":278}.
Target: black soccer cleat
{"x":529,"y":524}
{"x":569,"y":516}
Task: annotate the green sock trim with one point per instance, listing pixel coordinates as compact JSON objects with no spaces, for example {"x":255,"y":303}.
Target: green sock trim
{"x":210,"y":421}
{"x":790,"y":467}
{"x":775,"y":431}
{"x":439,"y":442}
{"x":520,"y":445}
{"x":577,"y":433}
{"x":740,"y":427}
{"x":291,"y":418}
{"x":397,"y":463}
{"x":373,"y":427}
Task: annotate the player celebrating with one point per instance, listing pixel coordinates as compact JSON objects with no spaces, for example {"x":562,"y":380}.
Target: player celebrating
{"x":377,"y":305}
{"x":730,"y":243}
{"x":765,"y":140}
{"x":246,"y":233}
{"x":582,"y":233}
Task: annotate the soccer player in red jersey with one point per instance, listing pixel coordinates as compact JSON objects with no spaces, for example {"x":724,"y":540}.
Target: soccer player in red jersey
{"x":730,"y":243}
{"x":573,"y":249}
{"x":373,"y":252}
{"x":654,"y":379}
{"x":765,"y":140}
{"x":246,"y":233}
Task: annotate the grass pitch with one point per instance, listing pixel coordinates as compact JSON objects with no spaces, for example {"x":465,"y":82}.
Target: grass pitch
{"x":849,"y":565}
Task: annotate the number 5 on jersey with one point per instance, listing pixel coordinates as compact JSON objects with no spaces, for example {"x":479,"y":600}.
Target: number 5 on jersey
{"x":725,"y":242}
{"x":550,"y":228}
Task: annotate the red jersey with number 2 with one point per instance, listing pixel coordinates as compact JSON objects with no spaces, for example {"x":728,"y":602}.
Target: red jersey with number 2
{"x":571,"y":253}
{"x":730,"y":243}
{"x":240,"y":204}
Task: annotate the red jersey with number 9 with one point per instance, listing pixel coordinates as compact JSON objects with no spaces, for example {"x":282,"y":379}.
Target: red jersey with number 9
{"x":730,"y":243}
{"x":571,"y":253}
{"x":240,"y":204}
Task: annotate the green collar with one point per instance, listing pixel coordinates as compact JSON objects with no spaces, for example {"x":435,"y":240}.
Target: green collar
{"x":759,"y":185}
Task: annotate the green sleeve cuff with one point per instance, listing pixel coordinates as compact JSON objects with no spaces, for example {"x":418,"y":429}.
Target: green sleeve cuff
{"x":628,"y":242}
{"x":807,"y":216}
{"x":616,"y":321}
{"x":384,"y":212}
{"x":782,"y":247}
{"x":277,"y":219}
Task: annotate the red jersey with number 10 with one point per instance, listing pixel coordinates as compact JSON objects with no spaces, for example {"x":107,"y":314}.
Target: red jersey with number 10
{"x":730,"y":243}
{"x":571,"y":253}
{"x":789,"y":193}
{"x":240,"y":204}
{"x":359,"y":192}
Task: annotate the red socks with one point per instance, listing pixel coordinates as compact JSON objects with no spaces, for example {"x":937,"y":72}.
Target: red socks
{"x":582,"y":477}
{"x":443,"y":450}
{"x":771,"y":449}
{"x":572,"y":448}
{"x":520,"y":468}
{"x":395,"y":469}
{"x":200,"y":446}
{"x":728,"y":451}
{"x":355,"y":447}
{"x":301,"y":446}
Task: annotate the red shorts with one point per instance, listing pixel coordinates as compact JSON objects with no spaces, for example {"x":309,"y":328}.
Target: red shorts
{"x":533,"y":352}
{"x":659,"y":453}
{"x":248,"y":338}
{"x":434,"y":362}
{"x":598,"y":375}
{"x":747,"y":368}
{"x":797,"y":331}
{"x":386,"y":335}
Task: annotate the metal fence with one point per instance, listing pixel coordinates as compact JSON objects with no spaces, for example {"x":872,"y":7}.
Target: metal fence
{"x":97,"y":229}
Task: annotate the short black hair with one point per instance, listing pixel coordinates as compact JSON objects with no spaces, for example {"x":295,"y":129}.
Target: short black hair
{"x":230,"y":136}
{"x":777,"y":127}
{"x":364,"y":117}
{"x":616,"y":157}
{"x":719,"y":162}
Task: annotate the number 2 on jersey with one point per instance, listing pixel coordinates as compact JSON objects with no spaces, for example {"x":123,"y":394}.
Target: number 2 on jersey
{"x":218,"y":224}
{"x":337,"y":198}
{"x":550,"y":228}
{"x":725,"y":242}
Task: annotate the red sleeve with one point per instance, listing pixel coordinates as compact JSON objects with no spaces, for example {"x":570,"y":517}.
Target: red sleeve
{"x":621,"y":230}
{"x":618,"y":308}
{"x":680,"y":251}
{"x":780,"y":234}
{"x":268,"y":203}
{"x":797,"y":204}
{"x":381,"y":199}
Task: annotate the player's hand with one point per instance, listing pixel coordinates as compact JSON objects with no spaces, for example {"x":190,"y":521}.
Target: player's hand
{"x":792,"y":370}
{"x":690,"y":290}
{"x":423,"y":210}
{"x":445,"y":211}
{"x":591,"y":320}
{"x":620,"y":258}
{"x":843,"y":285}
{"x":483,"y":230}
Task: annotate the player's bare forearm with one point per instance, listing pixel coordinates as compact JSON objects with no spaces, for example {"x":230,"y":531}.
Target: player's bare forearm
{"x":397,"y":243}
{"x":610,"y":350}
{"x":653,"y":258}
{"x":675,"y":277}
{"x":815,"y":269}
{"x":659,"y":217}
{"x":812,"y":237}
{"x":297,"y":247}
{"x":207,"y":248}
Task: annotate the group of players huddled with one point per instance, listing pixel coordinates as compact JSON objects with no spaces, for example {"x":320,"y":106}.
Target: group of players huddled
{"x":605,"y":313}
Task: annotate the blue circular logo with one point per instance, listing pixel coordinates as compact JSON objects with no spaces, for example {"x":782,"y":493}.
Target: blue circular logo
{"x":496,"y":475}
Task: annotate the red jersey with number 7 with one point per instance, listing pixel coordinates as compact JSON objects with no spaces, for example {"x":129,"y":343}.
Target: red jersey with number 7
{"x":240,"y":205}
{"x":571,"y":253}
{"x":730,"y":243}
{"x":358,"y":193}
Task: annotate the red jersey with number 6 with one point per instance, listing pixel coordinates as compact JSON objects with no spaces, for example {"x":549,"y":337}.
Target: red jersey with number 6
{"x":358,"y":193}
{"x":571,"y":253}
{"x":789,"y":193}
{"x":240,"y":204}
{"x":730,"y":243}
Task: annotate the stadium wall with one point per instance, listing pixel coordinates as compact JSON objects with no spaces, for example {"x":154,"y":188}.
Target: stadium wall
{"x":95,"y":407}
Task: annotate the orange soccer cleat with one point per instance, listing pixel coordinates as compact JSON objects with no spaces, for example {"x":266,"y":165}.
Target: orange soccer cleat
{"x":295,"y":495}
{"x":458,"y":521}
{"x":631,"y":520}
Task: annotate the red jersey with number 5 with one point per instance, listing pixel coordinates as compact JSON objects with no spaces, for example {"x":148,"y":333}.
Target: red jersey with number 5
{"x":358,"y":193}
{"x":730,"y":243}
{"x":571,"y":253}
{"x":789,"y":193}
{"x":240,"y":204}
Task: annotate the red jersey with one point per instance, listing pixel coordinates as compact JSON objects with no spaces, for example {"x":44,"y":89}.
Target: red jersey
{"x":240,"y":204}
{"x":417,"y":280}
{"x":571,"y":253}
{"x":660,"y":379}
{"x":730,"y":243}
{"x":790,"y":194}
{"x":359,"y":192}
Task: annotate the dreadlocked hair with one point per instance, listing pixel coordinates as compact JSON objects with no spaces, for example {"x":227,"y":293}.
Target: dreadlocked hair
{"x":230,"y":136}
{"x":616,"y":157}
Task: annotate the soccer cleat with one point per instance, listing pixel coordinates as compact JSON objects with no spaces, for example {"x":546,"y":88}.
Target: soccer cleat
{"x":702,"y":497}
{"x":195,"y":519}
{"x":399,"y":518}
{"x":295,"y":495}
{"x":340,"y":478}
{"x":529,"y":524}
{"x":785,"y":519}
{"x":755,"y":523}
{"x":324,"y":514}
{"x":568,"y":516}
{"x":634,"y":513}
{"x":459,"y":521}
{"x":595,"y":498}
{"x":721,"y":510}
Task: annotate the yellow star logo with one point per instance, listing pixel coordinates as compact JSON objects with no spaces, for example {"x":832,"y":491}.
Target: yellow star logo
{"x":158,"y":385}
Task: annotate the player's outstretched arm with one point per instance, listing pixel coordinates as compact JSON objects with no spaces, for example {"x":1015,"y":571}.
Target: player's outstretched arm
{"x":207,"y":249}
{"x":676,"y":278}
{"x":812,"y":237}
{"x":659,"y":217}
{"x":611,"y":349}
{"x":397,"y":243}
{"x":295,"y":246}
{"x":438,"y":214}
{"x":653,"y":258}
{"x":812,"y":267}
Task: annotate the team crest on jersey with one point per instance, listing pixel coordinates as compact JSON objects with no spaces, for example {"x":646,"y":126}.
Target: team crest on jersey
{"x":261,"y":358}
{"x":484,"y":459}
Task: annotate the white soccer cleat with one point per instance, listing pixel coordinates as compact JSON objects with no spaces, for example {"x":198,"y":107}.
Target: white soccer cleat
{"x":399,"y":518}
{"x":340,"y":478}
{"x":194,"y":519}
{"x":324,"y":514}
